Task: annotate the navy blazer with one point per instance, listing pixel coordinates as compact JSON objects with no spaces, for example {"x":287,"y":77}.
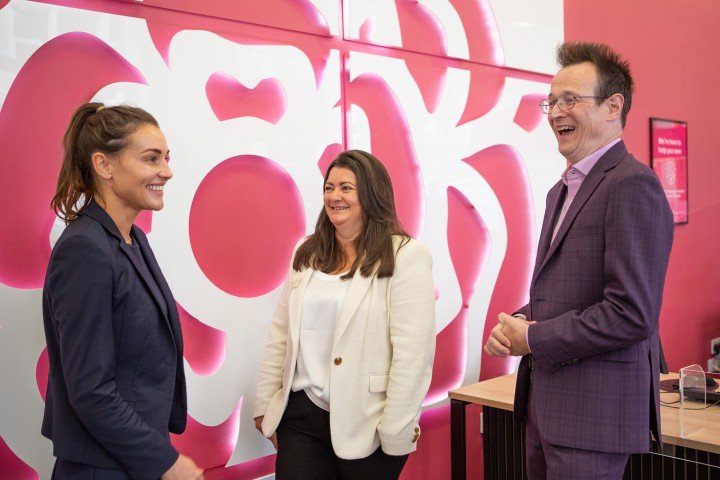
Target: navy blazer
{"x":596,"y":293}
{"x":116,"y":385}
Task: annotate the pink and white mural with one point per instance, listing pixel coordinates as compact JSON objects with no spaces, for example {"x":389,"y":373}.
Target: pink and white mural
{"x":255,"y":98}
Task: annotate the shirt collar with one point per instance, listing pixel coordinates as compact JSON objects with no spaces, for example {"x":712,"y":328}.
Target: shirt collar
{"x":584,"y":166}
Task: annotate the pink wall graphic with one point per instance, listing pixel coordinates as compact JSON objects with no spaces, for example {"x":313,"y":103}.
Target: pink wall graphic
{"x":256,"y":98}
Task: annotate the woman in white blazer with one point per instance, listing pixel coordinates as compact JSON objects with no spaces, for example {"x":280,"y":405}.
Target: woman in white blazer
{"x":351,"y":344}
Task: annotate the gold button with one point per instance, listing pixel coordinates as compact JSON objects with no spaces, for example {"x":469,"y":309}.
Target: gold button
{"x":338,"y":360}
{"x":417,"y":429}
{"x":415,"y":438}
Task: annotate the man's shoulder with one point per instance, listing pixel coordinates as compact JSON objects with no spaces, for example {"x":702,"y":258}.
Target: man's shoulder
{"x":631,"y":166}
{"x":632,"y":177}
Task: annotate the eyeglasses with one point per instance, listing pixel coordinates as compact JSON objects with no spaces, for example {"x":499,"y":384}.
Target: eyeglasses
{"x":563,"y":102}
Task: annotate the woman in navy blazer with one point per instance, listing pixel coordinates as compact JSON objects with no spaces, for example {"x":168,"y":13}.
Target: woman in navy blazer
{"x":116,"y":384}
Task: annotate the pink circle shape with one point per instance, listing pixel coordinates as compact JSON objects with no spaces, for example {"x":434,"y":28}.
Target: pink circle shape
{"x":245,"y":219}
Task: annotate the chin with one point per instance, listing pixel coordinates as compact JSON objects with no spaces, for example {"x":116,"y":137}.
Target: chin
{"x":566,"y":152}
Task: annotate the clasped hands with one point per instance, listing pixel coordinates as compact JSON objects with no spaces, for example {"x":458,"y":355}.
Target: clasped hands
{"x":508,"y":337}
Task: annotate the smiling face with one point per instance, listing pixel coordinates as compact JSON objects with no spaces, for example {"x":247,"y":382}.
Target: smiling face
{"x":137,"y":175}
{"x":342,"y":203}
{"x":587,"y":126}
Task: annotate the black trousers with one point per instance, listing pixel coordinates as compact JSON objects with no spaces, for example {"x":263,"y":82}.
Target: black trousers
{"x":305,"y":449}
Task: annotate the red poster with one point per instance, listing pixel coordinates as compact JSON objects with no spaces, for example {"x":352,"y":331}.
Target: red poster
{"x":668,"y":157}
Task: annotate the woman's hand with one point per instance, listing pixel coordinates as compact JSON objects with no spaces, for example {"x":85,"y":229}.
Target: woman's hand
{"x":258,"y":425}
{"x":183,"y":469}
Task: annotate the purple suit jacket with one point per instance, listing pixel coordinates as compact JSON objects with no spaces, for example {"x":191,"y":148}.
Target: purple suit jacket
{"x":596,"y":293}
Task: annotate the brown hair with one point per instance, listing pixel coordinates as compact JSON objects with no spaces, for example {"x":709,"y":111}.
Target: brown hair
{"x":374,"y":245}
{"x":613,"y":72}
{"x":93,"y":128}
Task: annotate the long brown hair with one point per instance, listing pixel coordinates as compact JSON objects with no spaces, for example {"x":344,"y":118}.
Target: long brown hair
{"x":374,"y":246}
{"x":93,"y":128}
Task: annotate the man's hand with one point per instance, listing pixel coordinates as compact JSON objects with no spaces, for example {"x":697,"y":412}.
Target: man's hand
{"x":515,"y":330}
{"x":498,"y":345}
{"x":508,"y":337}
{"x":183,"y":469}
{"x":258,"y":425}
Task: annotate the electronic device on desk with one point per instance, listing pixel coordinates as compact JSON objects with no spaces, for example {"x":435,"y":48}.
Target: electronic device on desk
{"x":714,"y":362}
{"x":712,"y":390}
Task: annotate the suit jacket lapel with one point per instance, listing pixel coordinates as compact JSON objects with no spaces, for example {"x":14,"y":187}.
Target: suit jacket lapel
{"x":159,"y":289}
{"x":100,"y":215}
{"x":596,"y":175}
{"x":557,"y":198}
{"x":559,"y":194}
{"x":584,"y":193}
{"x":298,"y":283}
{"x":356,"y":292}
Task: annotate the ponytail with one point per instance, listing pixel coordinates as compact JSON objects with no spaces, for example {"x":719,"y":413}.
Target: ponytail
{"x":93,"y":128}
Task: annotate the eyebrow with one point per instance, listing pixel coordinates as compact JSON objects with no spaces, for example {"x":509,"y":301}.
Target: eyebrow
{"x":565,"y":92}
{"x":155,"y":150}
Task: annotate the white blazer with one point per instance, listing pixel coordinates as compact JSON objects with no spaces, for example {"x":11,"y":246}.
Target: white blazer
{"x":381,"y":361}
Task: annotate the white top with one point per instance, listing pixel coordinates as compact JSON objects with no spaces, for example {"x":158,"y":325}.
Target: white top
{"x":385,"y":336}
{"x":321,"y":305}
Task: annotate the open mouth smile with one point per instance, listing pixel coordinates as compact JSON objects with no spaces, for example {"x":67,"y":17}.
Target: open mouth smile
{"x":564,"y":129}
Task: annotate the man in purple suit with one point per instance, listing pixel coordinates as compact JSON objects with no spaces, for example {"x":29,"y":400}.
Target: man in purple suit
{"x":588,"y":381}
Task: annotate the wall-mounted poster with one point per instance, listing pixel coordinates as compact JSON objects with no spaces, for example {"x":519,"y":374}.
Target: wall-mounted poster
{"x":668,"y":158}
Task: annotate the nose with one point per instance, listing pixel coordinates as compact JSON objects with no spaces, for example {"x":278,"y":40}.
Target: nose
{"x":335,"y":194}
{"x":554,"y":112}
{"x":165,"y":171}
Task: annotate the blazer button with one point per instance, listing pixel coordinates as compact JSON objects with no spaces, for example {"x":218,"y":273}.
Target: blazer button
{"x":417,"y":429}
{"x":338,"y":360}
{"x":415,"y":438}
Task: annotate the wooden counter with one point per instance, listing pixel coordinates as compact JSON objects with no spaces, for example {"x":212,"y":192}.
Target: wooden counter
{"x":684,"y":457}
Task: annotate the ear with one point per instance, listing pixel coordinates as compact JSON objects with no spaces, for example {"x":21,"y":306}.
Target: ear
{"x":615,"y":103}
{"x":101,"y":165}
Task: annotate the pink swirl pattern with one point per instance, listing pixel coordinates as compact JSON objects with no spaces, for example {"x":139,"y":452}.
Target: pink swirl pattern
{"x":12,"y":467}
{"x":241,"y":236}
{"x":230,"y":99}
{"x":469,"y":242}
{"x":391,"y":142}
{"x":33,"y":100}
{"x":204,"y":346}
{"x":209,"y":446}
{"x":503,"y":168}
{"x":421,"y":32}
